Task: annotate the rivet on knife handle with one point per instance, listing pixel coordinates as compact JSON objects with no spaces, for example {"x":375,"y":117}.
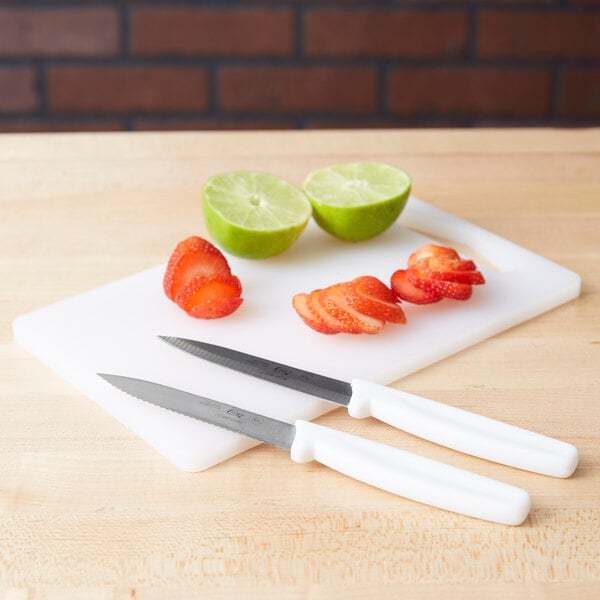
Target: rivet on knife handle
{"x":463,"y":430}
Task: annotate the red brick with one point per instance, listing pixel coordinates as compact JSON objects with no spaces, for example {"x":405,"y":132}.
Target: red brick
{"x":210,"y":31}
{"x":470,"y":91}
{"x":112,"y":90}
{"x":61,"y":32}
{"x":580,"y":97}
{"x":379,"y":123}
{"x":209,"y":124}
{"x":41,"y":125}
{"x":17,"y":90}
{"x":382,"y":33}
{"x":345,"y":89}
{"x":539,"y":34}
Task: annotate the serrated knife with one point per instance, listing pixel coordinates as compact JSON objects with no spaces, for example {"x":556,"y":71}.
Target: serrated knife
{"x":385,"y":467}
{"x":434,"y":421}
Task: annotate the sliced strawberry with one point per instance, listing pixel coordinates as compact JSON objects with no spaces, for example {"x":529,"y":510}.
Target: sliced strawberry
{"x":371,"y":287}
{"x":315,"y":301}
{"x":466,"y":277}
{"x":447,"y":289}
{"x":429,"y":251}
{"x":301,"y":305}
{"x":409,"y":292}
{"x":439,"y":258}
{"x":210,"y":296}
{"x":348,"y":323}
{"x":193,"y":256}
{"x":359,"y":299}
{"x":335,"y":300}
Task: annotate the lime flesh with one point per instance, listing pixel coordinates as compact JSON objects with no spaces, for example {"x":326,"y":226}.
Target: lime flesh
{"x":357,"y":201}
{"x":254,"y":215}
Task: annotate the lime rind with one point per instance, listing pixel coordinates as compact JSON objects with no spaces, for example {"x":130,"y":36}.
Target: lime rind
{"x":256,"y":200}
{"x":356,"y":184}
{"x":357,"y":201}
{"x":253,"y":214}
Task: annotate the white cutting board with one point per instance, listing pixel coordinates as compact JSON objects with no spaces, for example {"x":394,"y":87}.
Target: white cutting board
{"x":113,"y":328}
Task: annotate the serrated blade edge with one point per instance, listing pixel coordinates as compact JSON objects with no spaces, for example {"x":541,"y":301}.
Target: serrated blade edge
{"x":260,"y":427}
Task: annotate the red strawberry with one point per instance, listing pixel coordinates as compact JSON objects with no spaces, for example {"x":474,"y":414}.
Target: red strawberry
{"x":447,"y":289}
{"x":466,"y":277}
{"x":335,"y":301}
{"x":301,"y":305}
{"x":193,"y":256}
{"x":210,"y":296}
{"x":438,"y":263}
{"x":407,"y":291}
{"x":432,"y":251}
{"x":374,"y":288}
{"x":373,"y":298}
{"x":315,"y":302}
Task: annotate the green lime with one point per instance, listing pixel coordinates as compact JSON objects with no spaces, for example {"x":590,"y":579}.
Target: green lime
{"x":254,"y":215}
{"x":357,"y":201}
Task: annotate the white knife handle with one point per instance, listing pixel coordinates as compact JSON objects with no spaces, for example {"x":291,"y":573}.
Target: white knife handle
{"x":463,"y":430}
{"x":411,"y":476}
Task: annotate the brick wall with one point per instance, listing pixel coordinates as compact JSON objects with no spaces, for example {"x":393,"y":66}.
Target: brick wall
{"x":117,"y":64}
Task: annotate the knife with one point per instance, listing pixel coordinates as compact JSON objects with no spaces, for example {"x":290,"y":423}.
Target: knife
{"x":385,"y":467}
{"x":445,"y":425}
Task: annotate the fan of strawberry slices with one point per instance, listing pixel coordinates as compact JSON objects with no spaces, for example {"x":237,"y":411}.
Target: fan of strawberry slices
{"x":435,"y":272}
{"x":362,"y":305}
{"x":199,"y":280}
{"x":365,"y":304}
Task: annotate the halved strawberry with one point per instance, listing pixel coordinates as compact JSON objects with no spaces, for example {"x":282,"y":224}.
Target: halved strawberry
{"x":447,"y":289}
{"x":301,"y":305}
{"x":193,"y":256}
{"x":370,"y":296}
{"x":335,"y":301}
{"x":409,"y":292}
{"x":210,"y":296}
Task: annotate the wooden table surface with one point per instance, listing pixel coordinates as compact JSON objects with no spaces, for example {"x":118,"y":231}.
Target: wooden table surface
{"x":87,"y":510}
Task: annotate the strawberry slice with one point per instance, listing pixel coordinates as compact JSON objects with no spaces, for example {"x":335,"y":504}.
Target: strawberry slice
{"x":316,"y":299}
{"x":210,"y":296}
{"x":335,"y":301}
{"x":429,"y":251}
{"x":193,"y":256}
{"x":447,"y":289}
{"x":372,"y":287}
{"x":432,"y":262}
{"x":371,"y":297}
{"x":466,"y":277}
{"x":348,"y":324}
{"x":301,"y":305}
{"x":439,"y":258}
{"x":411,"y":293}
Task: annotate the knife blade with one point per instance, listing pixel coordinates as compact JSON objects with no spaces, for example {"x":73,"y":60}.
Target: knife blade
{"x":385,"y":467}
{"x":440,"y":423}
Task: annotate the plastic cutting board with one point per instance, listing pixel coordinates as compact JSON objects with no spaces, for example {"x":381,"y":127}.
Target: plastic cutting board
{"x":113,"y":328}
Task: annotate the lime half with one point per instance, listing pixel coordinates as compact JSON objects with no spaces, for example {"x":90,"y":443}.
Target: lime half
{"x":254,"y":215}
{"x":357,"y":201}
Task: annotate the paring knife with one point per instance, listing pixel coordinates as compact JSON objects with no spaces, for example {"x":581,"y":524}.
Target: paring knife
{"x":445,"y":425}
{"x":402,"y":473}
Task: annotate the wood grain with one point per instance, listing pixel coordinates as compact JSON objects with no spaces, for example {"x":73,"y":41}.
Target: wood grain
{"x":88,"y":511}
